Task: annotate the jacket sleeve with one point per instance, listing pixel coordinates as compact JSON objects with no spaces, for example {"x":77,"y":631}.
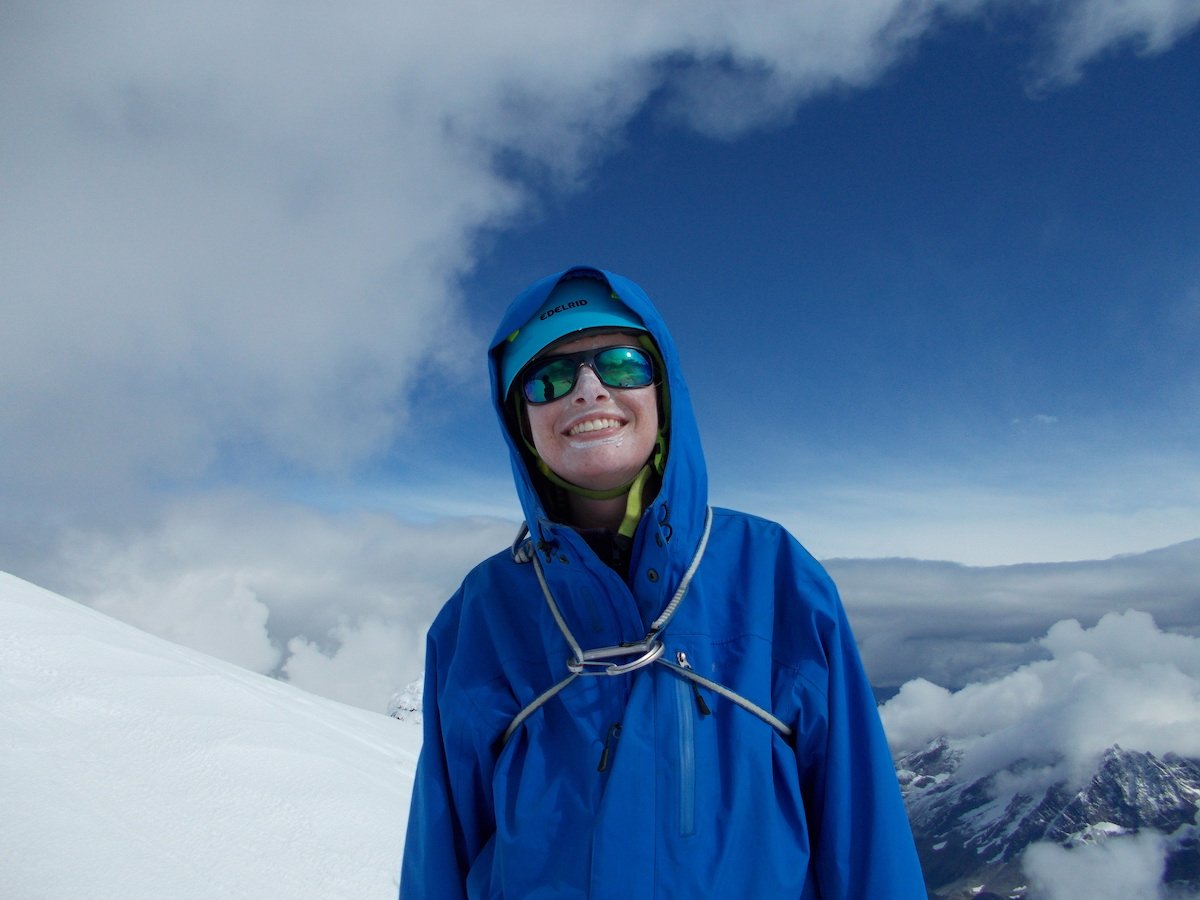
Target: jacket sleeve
{"x":863,"y":843}
{"x":434,"y":865}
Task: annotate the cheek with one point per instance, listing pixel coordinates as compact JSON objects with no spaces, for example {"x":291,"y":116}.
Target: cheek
{"x":541,"y":427}
{"x":648,"y":412}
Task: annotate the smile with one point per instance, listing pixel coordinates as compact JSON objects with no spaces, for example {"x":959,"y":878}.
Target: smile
{"x":593,"y":425}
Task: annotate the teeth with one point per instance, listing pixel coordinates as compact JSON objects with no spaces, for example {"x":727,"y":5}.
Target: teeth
{"x":593,"y":425}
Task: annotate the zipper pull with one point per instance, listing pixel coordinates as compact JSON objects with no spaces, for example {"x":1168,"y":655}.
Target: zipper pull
{"x":700,"y":704}
{"x":613,"y":733}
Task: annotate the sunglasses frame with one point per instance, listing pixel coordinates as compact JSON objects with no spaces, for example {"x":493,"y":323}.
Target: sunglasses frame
{"x":580,"y":359}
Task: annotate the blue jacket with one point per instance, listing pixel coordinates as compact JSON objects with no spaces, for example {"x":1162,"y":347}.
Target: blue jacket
{"x":649,"y":784}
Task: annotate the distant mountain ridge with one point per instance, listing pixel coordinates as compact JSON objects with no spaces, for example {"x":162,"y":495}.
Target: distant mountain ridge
{"x":971,"y":834}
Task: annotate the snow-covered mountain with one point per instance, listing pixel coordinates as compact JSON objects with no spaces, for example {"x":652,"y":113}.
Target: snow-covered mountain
{"x":132,"y":767}
{"x":973,"y":832}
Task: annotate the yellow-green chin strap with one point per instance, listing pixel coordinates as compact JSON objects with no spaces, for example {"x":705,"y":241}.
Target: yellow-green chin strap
{"x":631,"y":489}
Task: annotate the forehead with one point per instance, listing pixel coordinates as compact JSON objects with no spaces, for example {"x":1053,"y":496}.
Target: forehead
{"x":590,"y":341}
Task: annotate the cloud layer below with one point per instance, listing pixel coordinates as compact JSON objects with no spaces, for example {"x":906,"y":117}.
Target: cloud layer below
{"x":956,"y":624}
{"x":336,"y":604}
{"x":339,"y":603}
{"x":1123,"y":681}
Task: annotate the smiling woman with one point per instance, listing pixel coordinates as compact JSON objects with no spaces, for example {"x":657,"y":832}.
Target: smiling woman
{"x":581,"y":390}
{"x":598,"y":436}
{"x":730,"y":744}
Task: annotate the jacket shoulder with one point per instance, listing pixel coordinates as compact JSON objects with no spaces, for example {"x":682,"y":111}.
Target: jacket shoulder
{"x":763,"y":538}
{"x":784,"y":595}
{"x":495,"y":576}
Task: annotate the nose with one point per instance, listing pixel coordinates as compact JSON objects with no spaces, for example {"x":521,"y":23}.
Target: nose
{"x":588,"y":385}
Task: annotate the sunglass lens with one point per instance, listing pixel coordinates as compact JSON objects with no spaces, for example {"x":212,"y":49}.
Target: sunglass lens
{"x":550,"y":381}
{"x":624,"y":367}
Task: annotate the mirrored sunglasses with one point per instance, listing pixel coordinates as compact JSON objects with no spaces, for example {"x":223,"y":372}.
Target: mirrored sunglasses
{"x":551,"y":377}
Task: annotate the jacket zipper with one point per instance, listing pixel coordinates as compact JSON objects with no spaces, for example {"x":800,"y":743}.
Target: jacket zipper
{"x":700,"y":704}
{"x":687,"y":751}
{"x":614,"y":732}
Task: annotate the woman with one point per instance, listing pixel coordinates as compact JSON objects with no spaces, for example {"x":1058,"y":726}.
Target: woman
{"x":644,"y":697}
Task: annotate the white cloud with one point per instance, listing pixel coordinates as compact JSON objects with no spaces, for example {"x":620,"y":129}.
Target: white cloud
{"x":221,"y":241}
{"x":209,"y":609}
{"x":373,"y":659}
{"x":337,"y":603}
{"x":1123,"y":682}
{"x":1128,"y":867}
{"x":1080,"y":31}
{"x":957,"y":624}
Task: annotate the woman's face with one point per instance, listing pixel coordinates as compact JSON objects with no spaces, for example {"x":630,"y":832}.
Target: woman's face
{"x":595,"y":437}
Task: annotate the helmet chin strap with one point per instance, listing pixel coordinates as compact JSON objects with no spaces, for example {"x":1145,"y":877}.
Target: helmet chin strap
{"x":589,"y":493}
{"x":632,"y":490}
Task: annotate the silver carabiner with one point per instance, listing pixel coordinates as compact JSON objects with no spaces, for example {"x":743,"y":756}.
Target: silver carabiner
{"x":651,"y":649}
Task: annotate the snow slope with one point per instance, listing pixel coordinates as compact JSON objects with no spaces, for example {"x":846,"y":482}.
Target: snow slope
{"x":132,"y":767}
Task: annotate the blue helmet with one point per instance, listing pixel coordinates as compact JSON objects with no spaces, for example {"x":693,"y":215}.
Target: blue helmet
{"x":581,"y":301}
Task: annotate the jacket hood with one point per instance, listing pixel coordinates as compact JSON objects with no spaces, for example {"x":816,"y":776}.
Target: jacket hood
{"x":673,"y":520}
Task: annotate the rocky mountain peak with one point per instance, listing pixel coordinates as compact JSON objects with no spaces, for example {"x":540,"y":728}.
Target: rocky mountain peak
{"x":971,"y":833}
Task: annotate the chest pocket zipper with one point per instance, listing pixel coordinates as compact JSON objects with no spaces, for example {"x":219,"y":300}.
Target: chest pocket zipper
{"x":687,"y":751}
{"x":609,"y":746}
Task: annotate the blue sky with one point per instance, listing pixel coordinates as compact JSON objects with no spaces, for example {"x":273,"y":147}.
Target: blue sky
{"x":952,"y":282}
{"x":252,"y":261}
